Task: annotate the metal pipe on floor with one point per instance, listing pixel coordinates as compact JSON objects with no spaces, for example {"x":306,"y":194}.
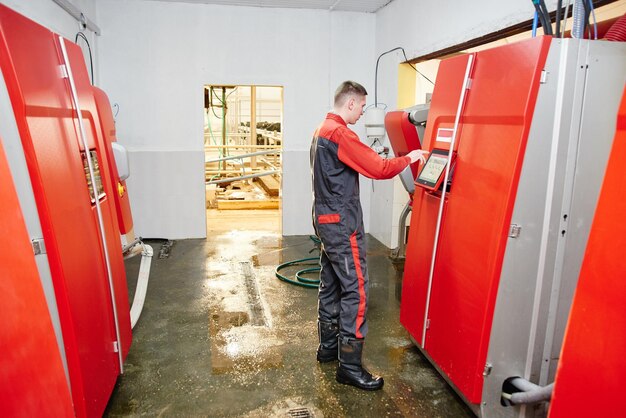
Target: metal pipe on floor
{"x":252,"y":154}
{"x":249,"y":176}
{"x":267,"y":163}
{"x":245,"y":146}
{"x":216,"y":171}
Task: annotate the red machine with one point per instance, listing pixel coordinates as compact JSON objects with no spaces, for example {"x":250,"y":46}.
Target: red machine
{"x":403,"y":134}
{"x":55,"y":132}
{"x":32,"y":373}
{"x":502,"y":210}
{"x":404,"y":129}
{"x":589,"y":377}
{"x":122,"y":203}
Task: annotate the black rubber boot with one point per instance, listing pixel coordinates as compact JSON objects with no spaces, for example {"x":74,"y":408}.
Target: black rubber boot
{"x":328,"y":333}
{"x":351,"y":371}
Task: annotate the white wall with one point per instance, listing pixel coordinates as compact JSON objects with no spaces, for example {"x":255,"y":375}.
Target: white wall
{"x":422,"y":27}
{"x":155,"y":58}
{"x":49,"y":14}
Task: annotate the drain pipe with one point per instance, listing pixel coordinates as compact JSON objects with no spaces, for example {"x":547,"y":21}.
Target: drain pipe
{"x":529,"y":392}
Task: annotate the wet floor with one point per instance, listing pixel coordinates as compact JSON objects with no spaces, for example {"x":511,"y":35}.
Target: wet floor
{"x":220,"y":336}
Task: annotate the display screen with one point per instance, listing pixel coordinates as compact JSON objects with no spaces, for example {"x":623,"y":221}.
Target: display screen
{"x":433,"y":169}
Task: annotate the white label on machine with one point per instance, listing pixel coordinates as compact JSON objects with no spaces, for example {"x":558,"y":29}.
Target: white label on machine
{"x":444,"y":134}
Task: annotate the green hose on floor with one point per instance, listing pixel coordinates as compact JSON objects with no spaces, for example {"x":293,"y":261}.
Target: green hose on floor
{"x":301,"y":281}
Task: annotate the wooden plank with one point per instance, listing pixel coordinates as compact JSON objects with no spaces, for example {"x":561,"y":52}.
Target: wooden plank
{"x":270,"y":184}
{"x":247,"y":204}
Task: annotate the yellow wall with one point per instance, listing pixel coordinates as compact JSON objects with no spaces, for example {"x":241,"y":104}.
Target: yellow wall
{"x":406,"y":86}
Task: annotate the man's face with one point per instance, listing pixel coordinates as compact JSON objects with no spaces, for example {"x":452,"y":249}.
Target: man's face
{"x":355,"y":107}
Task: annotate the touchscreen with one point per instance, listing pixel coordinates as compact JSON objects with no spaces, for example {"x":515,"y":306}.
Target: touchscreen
{"x":434,"y":167}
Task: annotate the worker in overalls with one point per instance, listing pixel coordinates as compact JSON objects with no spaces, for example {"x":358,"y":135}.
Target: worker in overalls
{"x":337,"y":159}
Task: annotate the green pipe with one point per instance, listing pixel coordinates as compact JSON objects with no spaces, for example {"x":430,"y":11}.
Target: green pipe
{"x":300,"y":281}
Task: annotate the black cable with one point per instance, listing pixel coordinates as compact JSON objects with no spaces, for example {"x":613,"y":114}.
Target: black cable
{"x":416,"y":70}
{"x":559,"y":4}
{"x":586,"y":18}
{"x":82,"y":35}
{"x":376,"y":73}
{"x":547,"y":19}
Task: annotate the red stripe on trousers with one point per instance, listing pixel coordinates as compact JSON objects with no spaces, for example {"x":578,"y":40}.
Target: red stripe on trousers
{"x":360,"y":316}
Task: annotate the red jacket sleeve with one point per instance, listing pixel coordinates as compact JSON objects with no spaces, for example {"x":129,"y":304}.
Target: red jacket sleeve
{"x":363,"y":159}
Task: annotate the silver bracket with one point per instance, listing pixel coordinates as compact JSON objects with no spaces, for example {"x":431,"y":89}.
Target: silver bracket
{"x":39,"y":246}
{"x":116,"y":347}
{"x":487,"y":370}
{"x":515,"y":230}
{"x":63,"y":71}
{"x":544,"y":77}
{"x":468,"y":85}
{"x":427,"y":323}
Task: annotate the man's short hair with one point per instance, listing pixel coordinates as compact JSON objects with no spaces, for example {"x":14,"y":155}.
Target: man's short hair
{"x":347,"y":89}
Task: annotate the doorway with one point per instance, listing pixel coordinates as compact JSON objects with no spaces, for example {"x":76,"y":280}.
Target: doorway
{"x":243,"y":139}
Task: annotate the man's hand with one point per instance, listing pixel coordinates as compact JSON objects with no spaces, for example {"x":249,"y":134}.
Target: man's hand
{"x":418,"y":154}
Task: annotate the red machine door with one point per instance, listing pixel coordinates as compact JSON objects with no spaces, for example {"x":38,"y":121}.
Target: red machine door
{"x":425,"y":211}
{"x":491,"y":142}
{"x":32,"y":380}
{"x":47,"y":122}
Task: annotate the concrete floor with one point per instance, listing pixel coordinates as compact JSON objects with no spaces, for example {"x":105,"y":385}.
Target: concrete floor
{"x":220,"y":336}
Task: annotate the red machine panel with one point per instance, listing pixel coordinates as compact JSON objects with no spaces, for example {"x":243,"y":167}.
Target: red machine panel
{"x":592,"y":362}
{"x":30,"y":59}
{"x":490,"y":147}
{"x":122,"y":202}
{"x":32,"y":380}
{"x":417,"y":269}
{"x":402,"y":135}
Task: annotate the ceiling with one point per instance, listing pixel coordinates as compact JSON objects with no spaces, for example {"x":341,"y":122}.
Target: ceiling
{"x":367,"y":6}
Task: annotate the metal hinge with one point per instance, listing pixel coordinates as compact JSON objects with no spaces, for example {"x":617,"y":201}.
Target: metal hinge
{"x":468,"y":85}
{"x":39,"y":246}
{"x":544,"y":77}
{"x":487,"y":369}
{"x":116,"y":347}
{"x":515,"y":230}
{"x":63,"y":71}
{"x":427,"y":323}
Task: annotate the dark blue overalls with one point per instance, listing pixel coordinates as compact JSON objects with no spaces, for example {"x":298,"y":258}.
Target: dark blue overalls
{"x":337,"y":158}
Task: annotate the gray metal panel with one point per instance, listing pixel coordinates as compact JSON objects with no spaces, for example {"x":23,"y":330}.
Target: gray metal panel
{"x":407,"y":180}
{"x":542,"y":338}
{"x":605,"y":78}
{"x":12,"y":143}
{"x":567,"y":150}
{"x":519,"y":282}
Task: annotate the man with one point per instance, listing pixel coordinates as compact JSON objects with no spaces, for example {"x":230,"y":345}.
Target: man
{"x":337,"y":158}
